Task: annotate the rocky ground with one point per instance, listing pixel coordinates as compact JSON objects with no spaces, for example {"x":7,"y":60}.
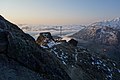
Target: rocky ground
{"x":81,"y":65}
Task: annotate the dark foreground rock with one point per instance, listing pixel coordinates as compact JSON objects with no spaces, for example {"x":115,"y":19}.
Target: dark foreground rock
{"x":22,"y":59}
{"x":12,"y":70}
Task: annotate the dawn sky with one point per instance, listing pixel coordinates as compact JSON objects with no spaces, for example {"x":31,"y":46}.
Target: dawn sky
{"x":59,"y":11}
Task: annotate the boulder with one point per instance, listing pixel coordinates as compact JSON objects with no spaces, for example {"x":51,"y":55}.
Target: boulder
{"x":73,"y":42}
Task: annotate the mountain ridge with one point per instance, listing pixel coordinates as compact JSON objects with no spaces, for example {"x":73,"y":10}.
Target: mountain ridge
{"x":114,"y":23}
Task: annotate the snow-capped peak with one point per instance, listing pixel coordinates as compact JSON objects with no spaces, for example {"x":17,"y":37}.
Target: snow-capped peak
{"x":114,"y":23}
{"x":116,"y":19}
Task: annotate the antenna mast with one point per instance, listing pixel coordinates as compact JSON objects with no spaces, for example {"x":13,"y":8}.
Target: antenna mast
{"x":60,"y":30}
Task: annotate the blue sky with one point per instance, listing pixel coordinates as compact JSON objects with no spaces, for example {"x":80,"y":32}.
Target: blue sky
{"x":59,"y":11}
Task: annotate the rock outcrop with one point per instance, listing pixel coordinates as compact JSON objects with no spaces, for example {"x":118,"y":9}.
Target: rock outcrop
{"x":73,"y":42}
{"x":22,"y":59}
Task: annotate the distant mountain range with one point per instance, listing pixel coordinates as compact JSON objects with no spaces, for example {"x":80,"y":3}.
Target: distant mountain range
{"x":114,"y":23}
{"x":102,"y":37}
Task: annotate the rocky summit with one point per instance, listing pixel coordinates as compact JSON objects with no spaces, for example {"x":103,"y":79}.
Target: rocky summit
{"x":22,"y":59}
